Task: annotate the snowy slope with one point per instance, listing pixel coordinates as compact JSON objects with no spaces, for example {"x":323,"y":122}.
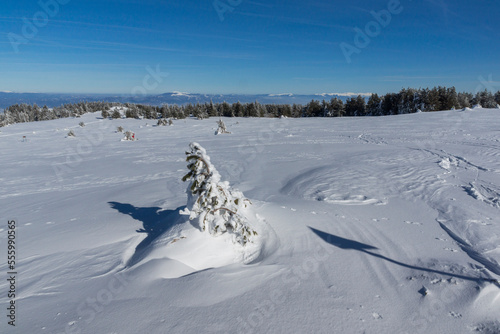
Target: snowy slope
{"x":374,"y":225}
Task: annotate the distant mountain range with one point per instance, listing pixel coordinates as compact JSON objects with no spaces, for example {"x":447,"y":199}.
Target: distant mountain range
{"x":54,"y":100}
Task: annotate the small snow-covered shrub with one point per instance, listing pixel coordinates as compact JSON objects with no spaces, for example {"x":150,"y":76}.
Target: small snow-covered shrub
{"x":81,"y":124}
{"x":129,"y":135}
{"x":104,"y":114}
{"x":119,"y":129}
{"x":217,"y":208}
{"x":164,"y":122}
{"x":116,"y":114}
{"x":221,"y":128}
{"x":71,"y":133}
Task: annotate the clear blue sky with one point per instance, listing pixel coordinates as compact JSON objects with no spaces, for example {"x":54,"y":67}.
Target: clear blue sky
{"x":273,"y":46}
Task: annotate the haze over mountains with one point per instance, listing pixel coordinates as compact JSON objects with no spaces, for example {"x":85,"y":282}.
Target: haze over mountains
{"x":54,"y":100}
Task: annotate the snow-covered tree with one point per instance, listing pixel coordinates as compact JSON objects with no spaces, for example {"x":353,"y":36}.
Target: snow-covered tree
{"x":163,"y":122}
{"x":374,"y":105}
{"x":221,"y":128}
{"x":71,"y":133}
{"x":129,"y":135}
{"x":116,"y":114}
{"x":216,"y":206}
{"x":82,"y":124}
{"x":119,"y":129}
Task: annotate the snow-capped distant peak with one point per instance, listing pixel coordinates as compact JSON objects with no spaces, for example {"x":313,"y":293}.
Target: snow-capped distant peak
{"x":180,"y":94}
{"x":282,"y":94}
{"x":344,"y":94}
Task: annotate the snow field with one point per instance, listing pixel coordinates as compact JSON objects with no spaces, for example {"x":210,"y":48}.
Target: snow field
{"x":359,"y":215}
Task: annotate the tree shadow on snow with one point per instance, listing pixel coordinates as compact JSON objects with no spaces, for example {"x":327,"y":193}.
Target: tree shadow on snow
{"x":155,"y":222}
{"x":348,"y":244}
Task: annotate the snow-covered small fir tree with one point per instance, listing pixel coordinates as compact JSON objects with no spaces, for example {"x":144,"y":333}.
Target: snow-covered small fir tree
{"x":129,"y":135}
{"x":216,"y":206}
{"x":221,"y":128}
{"x":164,"y":122}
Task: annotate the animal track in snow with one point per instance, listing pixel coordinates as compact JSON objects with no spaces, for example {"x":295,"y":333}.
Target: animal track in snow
{"x":412,"y":223}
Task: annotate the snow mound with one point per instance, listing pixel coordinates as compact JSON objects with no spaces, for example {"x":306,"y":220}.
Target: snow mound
{"x":184,"y":249}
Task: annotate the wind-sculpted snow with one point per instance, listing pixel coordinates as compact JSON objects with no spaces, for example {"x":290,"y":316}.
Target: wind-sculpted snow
{"x":376,"y":225}
{"x":333,"y":185}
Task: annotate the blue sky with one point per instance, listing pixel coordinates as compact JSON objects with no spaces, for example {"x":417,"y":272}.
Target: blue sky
{"x":274,"y":46}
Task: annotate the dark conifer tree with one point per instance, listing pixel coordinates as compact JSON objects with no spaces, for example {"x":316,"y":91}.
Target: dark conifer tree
{"x":336,"y":107}
{"x":314,"y":109}
{"x":374,"y":105}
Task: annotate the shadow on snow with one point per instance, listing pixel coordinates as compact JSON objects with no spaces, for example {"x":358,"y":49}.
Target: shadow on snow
{"x":348,"y":244}
{"x":155,"y":222}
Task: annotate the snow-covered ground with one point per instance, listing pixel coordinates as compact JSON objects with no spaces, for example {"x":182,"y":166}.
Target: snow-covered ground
{"x":372,"y":225}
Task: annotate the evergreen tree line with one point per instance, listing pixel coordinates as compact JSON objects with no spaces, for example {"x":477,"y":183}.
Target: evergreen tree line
{"x":407,"y":101}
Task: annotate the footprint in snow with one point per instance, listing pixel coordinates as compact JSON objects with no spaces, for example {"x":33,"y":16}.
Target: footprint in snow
{"x":376,"y":316}
{"x":441,"y":239}
{"x":412,"y":223}
{"x":450,"y":249}
{"x":455,"y":315}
